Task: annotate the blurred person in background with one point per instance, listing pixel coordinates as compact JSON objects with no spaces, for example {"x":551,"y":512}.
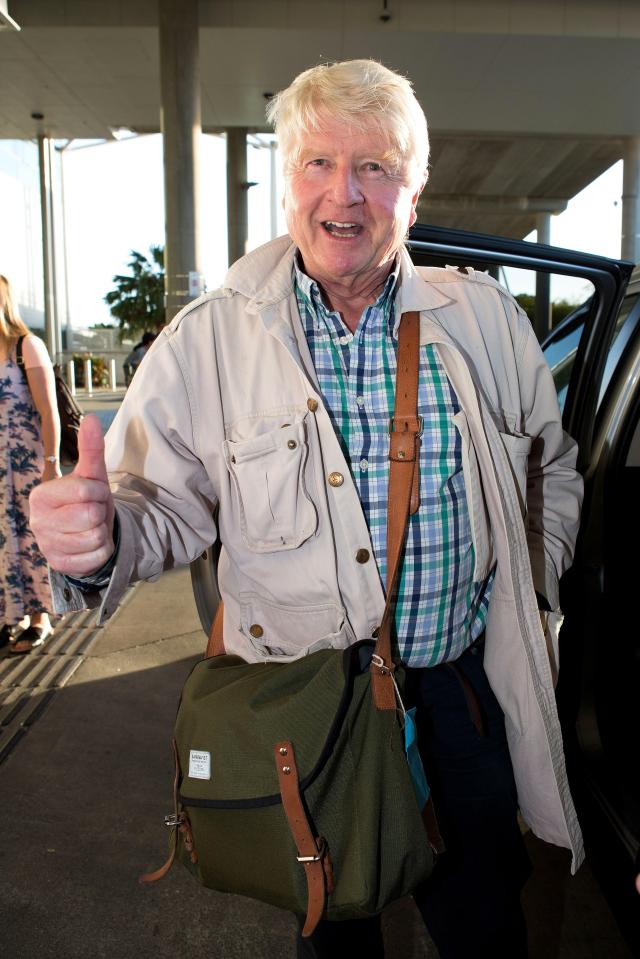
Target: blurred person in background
{"x":136,"y":356}
{"x":29,"y":455}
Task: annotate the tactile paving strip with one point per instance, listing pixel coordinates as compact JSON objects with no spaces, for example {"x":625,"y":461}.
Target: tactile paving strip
{"x":29,"y":683}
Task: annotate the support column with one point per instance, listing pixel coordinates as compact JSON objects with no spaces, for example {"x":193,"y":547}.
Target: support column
{"x":237,"y":193}
{"x":631,"y":201}
{"x":51,"y":330}
{"x":542,"y":321}
{"x":180,"y":122}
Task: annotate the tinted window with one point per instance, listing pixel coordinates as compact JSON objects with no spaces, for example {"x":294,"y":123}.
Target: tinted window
{"x":560,"y":353}
{"x":625,"y":325}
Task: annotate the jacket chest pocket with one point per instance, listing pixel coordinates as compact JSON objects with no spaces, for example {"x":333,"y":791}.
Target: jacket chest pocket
{"x":267,"y":471}
{"x":518,"y":449}
{"x":476,"y":504}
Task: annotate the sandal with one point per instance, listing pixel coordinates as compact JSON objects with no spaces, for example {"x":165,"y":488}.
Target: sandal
{"x":8,"y":634}
{"x":31,"y":638}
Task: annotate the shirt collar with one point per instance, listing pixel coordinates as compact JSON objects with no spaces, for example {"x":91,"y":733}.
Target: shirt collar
{"x":311,"y":289}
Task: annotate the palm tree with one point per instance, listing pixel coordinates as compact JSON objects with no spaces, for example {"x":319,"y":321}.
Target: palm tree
{"x":137,"y":302}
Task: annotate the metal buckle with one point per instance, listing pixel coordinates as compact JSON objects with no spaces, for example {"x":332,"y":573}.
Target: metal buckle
{"x":321,"y":852}
{"x":392,"y":428}
{"x":379,"y":662}
{"x":174,"y":820}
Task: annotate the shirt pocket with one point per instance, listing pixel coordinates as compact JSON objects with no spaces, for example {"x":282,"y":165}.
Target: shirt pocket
{"x":476,"y":503}
{"x":284,"y":632}
{"x":267,"y":471}
{"x":518,"y":448}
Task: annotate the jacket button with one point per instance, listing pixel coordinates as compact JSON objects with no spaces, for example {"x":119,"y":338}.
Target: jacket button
{"x":292,"y":444}
{"x":362,"y":556}
{"x":336,"y":479}
{"x":256,"y":631}
{"x":66,"y":594}
{"x":312,"y":405}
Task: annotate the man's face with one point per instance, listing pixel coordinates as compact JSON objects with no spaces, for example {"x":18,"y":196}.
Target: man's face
{"x":347,"y":206}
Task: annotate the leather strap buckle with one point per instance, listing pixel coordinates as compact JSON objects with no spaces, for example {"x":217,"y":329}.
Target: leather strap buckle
{"x":174,"y":820}
{"x":419,"y":431}
{"x":322,"y":851}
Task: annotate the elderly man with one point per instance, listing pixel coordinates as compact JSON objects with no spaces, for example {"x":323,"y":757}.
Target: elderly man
{"x":271,"y":398}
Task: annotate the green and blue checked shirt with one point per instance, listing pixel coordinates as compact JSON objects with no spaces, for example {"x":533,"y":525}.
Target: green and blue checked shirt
{"x":439,"y":610}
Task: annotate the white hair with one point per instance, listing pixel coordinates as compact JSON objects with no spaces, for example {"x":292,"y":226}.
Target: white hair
{"x":363,"y":94}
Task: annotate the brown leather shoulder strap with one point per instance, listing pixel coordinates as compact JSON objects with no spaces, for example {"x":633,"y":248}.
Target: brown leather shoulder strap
{"x":404,"y":449}
{"x":313,"y":853}
{"x":215,"y":645}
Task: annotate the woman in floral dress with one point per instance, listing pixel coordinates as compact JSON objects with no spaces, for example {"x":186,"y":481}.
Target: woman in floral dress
{"x":29,"y":450}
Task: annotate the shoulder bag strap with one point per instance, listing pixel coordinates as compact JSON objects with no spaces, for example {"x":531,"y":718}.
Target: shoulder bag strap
{"x":404,"y":448}
{"x":20,"y":358}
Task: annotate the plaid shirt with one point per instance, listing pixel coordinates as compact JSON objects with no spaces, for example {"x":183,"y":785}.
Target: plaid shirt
{"x":439,"y":610}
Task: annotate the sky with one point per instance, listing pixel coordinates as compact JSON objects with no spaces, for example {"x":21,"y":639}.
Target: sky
{"x":114,"y":204}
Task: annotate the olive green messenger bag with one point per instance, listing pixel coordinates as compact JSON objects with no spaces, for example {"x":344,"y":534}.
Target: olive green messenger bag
{"x":292,"y":784}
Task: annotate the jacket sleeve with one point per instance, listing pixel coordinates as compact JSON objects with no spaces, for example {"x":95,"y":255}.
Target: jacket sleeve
{"x":554,"y":487}
{"x":163,"y":495}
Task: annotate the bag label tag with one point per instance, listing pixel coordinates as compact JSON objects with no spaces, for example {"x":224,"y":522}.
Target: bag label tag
{"x":199,"y":764}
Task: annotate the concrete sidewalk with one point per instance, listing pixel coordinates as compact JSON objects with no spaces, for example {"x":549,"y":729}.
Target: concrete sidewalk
{"x":84,"y":794}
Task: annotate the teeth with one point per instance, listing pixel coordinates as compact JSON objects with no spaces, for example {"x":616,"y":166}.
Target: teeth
{"x":343,"y":226}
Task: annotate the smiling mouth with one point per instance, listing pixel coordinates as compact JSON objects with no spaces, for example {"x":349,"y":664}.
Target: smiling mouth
{"x":335,"y":228}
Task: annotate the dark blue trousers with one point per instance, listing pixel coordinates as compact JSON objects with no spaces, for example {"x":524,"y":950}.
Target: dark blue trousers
{"x":471,"y":902}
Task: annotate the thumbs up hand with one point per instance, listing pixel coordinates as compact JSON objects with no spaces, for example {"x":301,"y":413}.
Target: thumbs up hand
{"x":72,"y":517}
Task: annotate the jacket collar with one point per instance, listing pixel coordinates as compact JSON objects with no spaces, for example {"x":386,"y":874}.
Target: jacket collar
{"x":265,"y":277}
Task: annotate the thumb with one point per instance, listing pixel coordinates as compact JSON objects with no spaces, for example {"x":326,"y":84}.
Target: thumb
{"x":91,"y":463}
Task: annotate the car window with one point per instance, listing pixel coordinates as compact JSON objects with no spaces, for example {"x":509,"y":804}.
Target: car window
{"x":625,"y":325}
{"x":560,"y":353}
{"x":562,"y":345}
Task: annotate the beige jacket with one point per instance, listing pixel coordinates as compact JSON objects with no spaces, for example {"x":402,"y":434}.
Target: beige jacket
{"x":225,"y":410}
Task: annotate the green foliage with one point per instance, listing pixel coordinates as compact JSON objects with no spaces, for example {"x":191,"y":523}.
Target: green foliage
{"x":99,"y":370}
{"x":137,"y":302}
{"x":559,"y":308}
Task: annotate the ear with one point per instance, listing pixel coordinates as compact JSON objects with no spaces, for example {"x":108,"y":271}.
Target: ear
{"x":414,"y":201}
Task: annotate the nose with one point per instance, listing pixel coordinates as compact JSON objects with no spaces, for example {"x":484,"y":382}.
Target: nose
{"x":345,"y":187}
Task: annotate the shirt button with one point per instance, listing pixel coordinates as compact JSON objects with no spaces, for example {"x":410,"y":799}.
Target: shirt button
{"x":312,"y":405}
{"x":336,"y":479}
{"x":362,"y":556}
{"x":360,"y":400}
{"x":256,"y":631}
{"x":364,"y":465}
{"x":343,"y":340}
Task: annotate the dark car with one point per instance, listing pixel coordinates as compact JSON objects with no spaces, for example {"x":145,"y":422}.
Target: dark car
{"x":594,"y":356}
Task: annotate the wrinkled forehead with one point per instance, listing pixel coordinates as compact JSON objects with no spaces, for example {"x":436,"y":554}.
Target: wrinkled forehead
{"x":367,"y":136}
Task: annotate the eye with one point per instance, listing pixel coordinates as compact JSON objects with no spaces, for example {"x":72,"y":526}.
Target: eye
{"x":318,"y":161}
{"x":373,"y":168}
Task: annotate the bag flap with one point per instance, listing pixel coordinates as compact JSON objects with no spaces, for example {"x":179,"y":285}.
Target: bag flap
{"x":232,"y":713}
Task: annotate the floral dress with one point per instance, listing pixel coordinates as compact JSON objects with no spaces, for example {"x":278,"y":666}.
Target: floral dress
{"x":24,"y":584}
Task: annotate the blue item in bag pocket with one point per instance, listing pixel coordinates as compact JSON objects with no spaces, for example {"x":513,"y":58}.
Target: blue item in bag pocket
{"x":416,"y":768}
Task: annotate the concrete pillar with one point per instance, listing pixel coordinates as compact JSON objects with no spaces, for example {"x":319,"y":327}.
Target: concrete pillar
{"x":51,"y":326}
{"x":631,"y":201}
{"x":237,"y":193}
{"x":180,"y":122}
{"x":542,"y":321}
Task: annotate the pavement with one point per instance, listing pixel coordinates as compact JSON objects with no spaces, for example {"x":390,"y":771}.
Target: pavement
{"x":104,"y":403}
{"x":85,"y":782}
